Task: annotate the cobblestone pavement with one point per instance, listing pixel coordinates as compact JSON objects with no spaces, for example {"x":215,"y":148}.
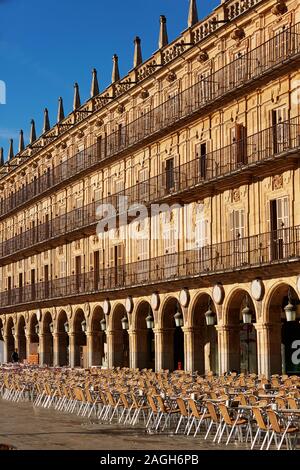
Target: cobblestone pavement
{"x":29,"y":428}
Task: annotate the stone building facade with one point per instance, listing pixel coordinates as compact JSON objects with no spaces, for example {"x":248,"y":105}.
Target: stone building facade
{"x":94,"y":271}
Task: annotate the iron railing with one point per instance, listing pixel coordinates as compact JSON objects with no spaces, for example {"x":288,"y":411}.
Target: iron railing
{"x":274,"y":141}
{"x":269,"y":248}
{"x":277,"y":52}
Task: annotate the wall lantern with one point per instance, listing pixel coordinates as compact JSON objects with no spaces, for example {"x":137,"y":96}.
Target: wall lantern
{"x":103,"y":324}
{"x":290,"y":311}
{"x":13,"y":330}
{"x":178,"y":317}
{"x":83,"y":326}
{"x":150,"y":320}
{"x":66,"y":325}
{"x":37,"y":328}
{"x":246,"y":312}
{"x":125,"y":324}
{"x":210,"y":316}
{"x":51,"y":327}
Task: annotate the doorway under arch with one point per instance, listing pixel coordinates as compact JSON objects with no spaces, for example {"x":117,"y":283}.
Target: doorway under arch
{"x":172,"y":337}
{"x":205,"y":338}
{"x":47,"y":345}
{"x":21,"y":339}
{"x":120,"y":339}
{"x":242,"y":336}
{"x":98,"y":353}
{"x":145,"y":353}
{"x":63,"y":356}
{"x":284,"y":335}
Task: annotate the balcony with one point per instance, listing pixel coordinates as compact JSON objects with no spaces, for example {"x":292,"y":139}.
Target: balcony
{"x":267,"y":61}
{"x":262,"y":251}
{"x":250,"y":154}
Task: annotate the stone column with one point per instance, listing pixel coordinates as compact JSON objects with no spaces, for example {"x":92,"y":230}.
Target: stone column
{"x":28,"y":343}
{"x":229,"y":349}
{"x":110,"y":348}
{"x":269,"y":348}
{"x":73,"y":359}
{"x":56,"y":336}
{"x":20,"y":347}
{"x":158,"y":336}
{"x":193,"y":347}
{"x":45,"y":349}
{"x":90,"y":348}
{"x":7,"y":353}
{"x":133,"y":349}
{"x":59,"y":355}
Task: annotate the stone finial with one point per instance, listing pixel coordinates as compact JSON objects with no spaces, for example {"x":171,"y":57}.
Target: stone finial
{"x":11,"y":150}
{"x":21,"y":142}
{"x":138,"y":59}
{"x":1,"y":156}
{"x":193,"y":14}
{"x":115,"y":77}
{"x":76,"y":101}
{"x":46,"y":126}
{"x":95,"y":84}
{"x":32,"y":132}
{"x":60,"y":113}
{"x":163,"y":34}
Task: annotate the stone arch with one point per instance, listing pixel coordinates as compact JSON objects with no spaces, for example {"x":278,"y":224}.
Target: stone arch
{"x":232,"y":305}
{"x":61,"y":348}
{"x":242,"y":338}
{"x":204,"y":338}
{"x":119,"y":347}
{"x":172,"y":336}
{"x":282,"y":335}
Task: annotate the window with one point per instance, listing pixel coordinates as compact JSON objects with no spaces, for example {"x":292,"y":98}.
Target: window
{"x":172,"y":106}
{"x":145,"y":120}
{"x":169,"y":235}
{"x":201,"y":153}
{"x":121,"y":135}
{"x":144,"y":185}
{"x":80,"y":157}
{"x":238,"y":247}
{"x":280,"y":130}
{"x":169,"y":173}
{"x":279,"y":223}
{"x":201,"y":227}
{"x":240,"y":67}
{"x":204,"y":89}
{"x":239,"y":140}
{"x":118,"y":185}
{"x":283,"y":44}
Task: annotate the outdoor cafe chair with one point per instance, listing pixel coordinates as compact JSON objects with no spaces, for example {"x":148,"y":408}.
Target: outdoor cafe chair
{"x":284,"y":430}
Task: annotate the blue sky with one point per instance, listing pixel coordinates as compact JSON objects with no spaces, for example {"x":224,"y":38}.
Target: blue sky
{"x":47,"y":46}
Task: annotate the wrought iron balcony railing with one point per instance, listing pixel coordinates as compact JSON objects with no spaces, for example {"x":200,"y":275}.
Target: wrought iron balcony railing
{"x":256,"y":251}
{"x":273,"y":142}
{"x":275,"y":54}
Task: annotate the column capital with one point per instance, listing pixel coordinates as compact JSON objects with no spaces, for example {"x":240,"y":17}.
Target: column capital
{"x":159,"y":331}
{"x":190,"y":329}
{"x":132,"y":332}
{"x":223,"y":328}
